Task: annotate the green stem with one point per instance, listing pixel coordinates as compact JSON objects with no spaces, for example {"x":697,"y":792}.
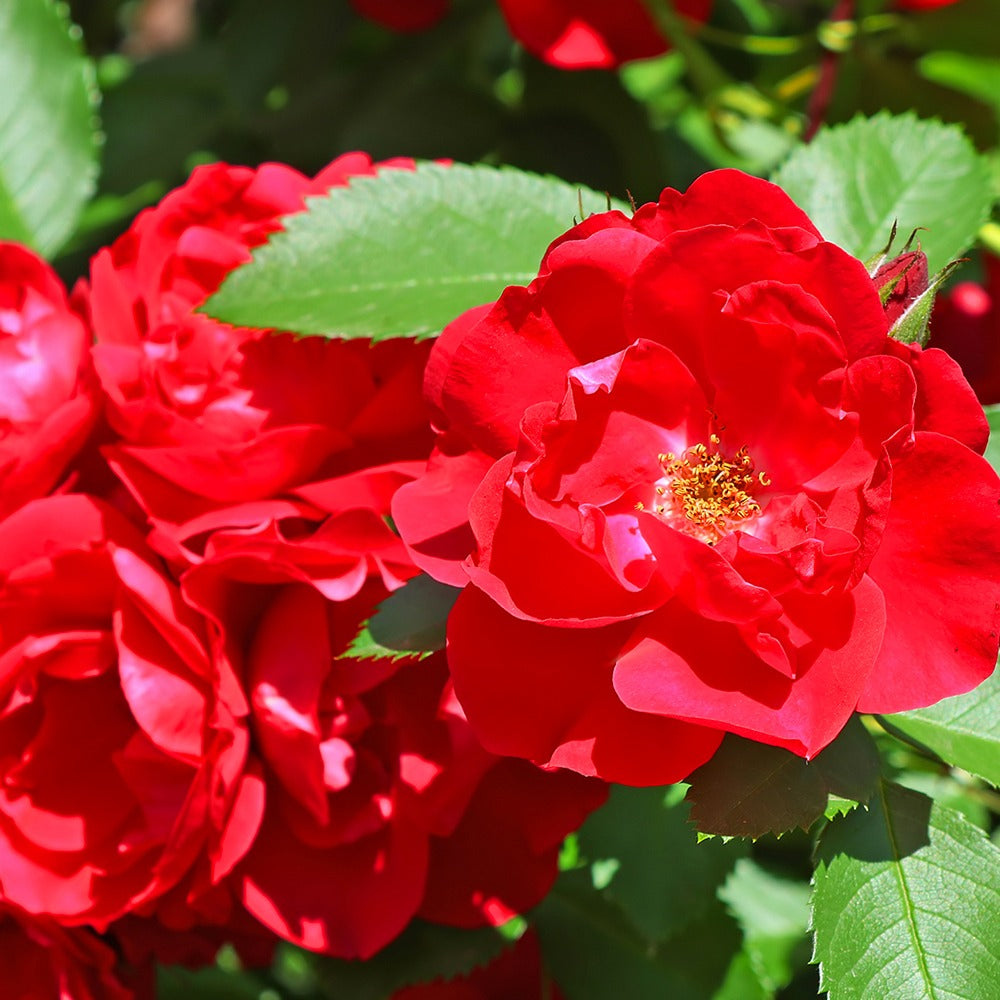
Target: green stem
{"x":706,"y":73}
{"x":758,"y":45}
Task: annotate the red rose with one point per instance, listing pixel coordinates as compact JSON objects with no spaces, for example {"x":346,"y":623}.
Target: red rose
{"x":696,"y":490}
{"x":378,"y":804}
{"x":966,"y":324}
{"x":121,"y":759}
{"x":208,"y":415}
{"x":403,"y":15}
{"x":583,"y":34}
{"x":47,"y":403}
{"x":43,"y":961}
{"x":515,"y":973}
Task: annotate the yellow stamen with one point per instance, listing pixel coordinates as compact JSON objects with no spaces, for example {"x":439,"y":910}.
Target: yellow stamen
{"x":707,"y":494}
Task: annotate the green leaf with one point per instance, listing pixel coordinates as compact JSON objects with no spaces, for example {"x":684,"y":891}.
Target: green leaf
{"x":409,"y":622}
{"x":992,"y":454}
{"x":963,"y":731}
{"x":422,"y":953}
{"x":856,"y":180}
{"x":906,"y":903}
{"x":976,"y":76}
{"x":661,"y":876}
{"x":594,"y":952}
{"x":48,"y":138}
{"x":774,"y":915}
{"x":174,"y":982}
{"x":403,"y":253}
{"x":748,"y":789}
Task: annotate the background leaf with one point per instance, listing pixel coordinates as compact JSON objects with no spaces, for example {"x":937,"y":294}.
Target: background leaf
{"x":907,"y":903}
{"x":774,"y":915}
{"x":963,"y":731}
{"x":423,"y":952}
{"x":855,"y":180}
{"x":48,"y":139}
{"x":409,"y":622}
{"x":748,"y":789}
{"x":402,"y":254}
{"x":594,"y":952}
{"x":661,"y":876}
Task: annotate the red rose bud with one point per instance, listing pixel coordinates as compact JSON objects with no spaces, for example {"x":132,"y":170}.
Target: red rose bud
{"x":900,"y":282}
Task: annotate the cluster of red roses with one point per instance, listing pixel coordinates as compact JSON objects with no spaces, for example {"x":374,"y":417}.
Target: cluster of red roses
{"x":571,"y":34}
{"x":194,"y":526}
{"x":687,"y":482}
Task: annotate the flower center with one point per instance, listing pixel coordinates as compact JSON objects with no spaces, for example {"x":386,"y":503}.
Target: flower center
{"x":706,"y":495}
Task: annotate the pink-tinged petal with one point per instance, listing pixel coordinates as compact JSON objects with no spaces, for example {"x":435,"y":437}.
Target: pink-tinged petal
{"x":685,"y":667}
{"x":937,"y":567}
{"x":110,"y":303}
{"x":166,"y":699}
{"x":242,"y":824}
{"x":348,"y":902}
{"x":432,"y":513}
{"x":545,"y":693}
{"x":523,"y":813}
{"x":287,"y":666}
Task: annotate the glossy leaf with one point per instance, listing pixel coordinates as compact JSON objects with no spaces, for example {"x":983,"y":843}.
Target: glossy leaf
{"x":856,"y":180}
{"x":409,"y":622}
{"x":48,"y":138}
{"x":963,"y":731}
{"x":906,"y":903}
{"x":661,"y":876}
{"x":748,"y":789}
{"x":403,"y":253}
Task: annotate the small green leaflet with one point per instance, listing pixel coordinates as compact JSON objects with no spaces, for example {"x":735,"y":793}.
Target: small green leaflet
{"x":409,"y":622}
{"x":48,"y":124}
{"x":402,"y":254}
{"x":963,"y":731}
{"x":993,"y":447}
{"x":906,"y":903}
{"x":855,"y":180}
{"x":749,"y":789}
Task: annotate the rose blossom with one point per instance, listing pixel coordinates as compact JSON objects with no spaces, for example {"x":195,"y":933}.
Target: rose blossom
{"x":43,"y":961}
{"x":122,"y":754}
{"x":47,"y":402}
{"x":377,"y":802}
{"x":569,"y":34}
{"x":583,"y":34}
{"x":210,"y":416}
{"x":691,"y":487}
